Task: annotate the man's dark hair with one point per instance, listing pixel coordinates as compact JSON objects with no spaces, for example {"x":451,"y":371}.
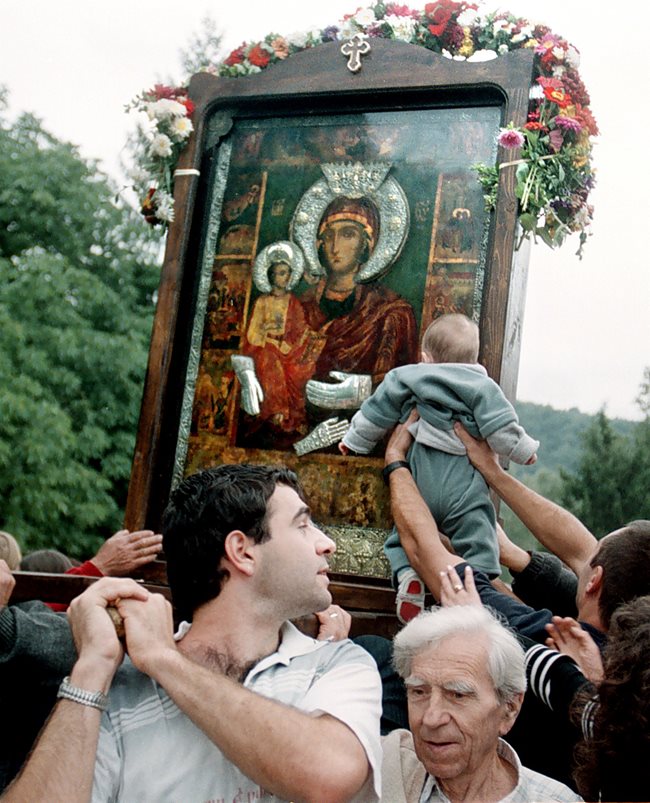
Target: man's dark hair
{"x":625,"y":560}
{"x":201,"y":512}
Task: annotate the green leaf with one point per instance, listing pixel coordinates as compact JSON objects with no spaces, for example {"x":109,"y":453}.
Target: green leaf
{"x":528,"y":222}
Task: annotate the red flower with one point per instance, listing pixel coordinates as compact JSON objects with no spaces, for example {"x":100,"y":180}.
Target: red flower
{"x":552,"y":83}
{"x":147,"y":209}
{"x":401,"y":11}
{"x":163,"y":92}
{"x":189,"y":105}
{"x":439,"y":14}
{"x":258,"y":56}
{"x":533,"y":125}
{"x":558,"y":96}
{"x":584,"y":115}
{"x":236,"y":57}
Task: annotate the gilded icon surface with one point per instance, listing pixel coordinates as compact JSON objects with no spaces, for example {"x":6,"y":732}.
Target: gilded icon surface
{"x":337,"y":240}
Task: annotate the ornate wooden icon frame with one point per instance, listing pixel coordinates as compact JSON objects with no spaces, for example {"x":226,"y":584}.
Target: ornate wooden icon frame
{"x":390,"y":76}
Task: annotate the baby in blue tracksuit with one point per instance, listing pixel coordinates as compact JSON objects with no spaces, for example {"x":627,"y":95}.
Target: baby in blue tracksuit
{"x":447,"y":386}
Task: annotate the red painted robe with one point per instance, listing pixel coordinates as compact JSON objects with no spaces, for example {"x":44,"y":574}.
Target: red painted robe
{"x":278,"y":340}
{"x":379,"y":333}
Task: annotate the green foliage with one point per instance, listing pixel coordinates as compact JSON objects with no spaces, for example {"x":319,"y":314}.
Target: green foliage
{"x":78,"y":276}
{"x":643,"y":399}
{"x":610,"y":486}
{"x":562,"y":434}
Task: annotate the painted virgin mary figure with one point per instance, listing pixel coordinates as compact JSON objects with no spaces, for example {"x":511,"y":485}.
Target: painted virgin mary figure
{"x":352,"y":225}
{"x":368,"y":328}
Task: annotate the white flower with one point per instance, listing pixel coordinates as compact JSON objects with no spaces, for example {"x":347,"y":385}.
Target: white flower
{"x":572,"y":57}
{"x":181,"y":128}
{"x":535,"y":92}
{"x":501,"y":25}
{"x":519,"y":37}
{"x":558,"y":52}
{"x":348,"y":28}
{"x":298,"y":38}
{"x":364,"y":17}
{"x":164,"y":206}
{"x":558,"y":71}
{"x":502,"y":49}
{"x":466,"y":18}
{"x":582,"y":217}
{"x":161,"y":145}
{"x":164,"y":108}
{"x":482,"y":55}
{"x":137,"y":175}
{"x":402,"y":27}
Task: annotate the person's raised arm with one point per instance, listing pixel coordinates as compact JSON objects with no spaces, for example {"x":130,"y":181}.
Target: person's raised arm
{"x":61,"y":765}
{"x":553,"y":526}
{"x":290,"y":753}
{"x":416,"y":526}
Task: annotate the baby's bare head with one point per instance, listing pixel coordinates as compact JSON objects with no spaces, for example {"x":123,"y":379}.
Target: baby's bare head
{"x":451,"y":338}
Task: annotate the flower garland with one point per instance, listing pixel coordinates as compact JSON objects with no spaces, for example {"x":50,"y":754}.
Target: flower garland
{"x":168,"y":110}
{"x":551,"y":153}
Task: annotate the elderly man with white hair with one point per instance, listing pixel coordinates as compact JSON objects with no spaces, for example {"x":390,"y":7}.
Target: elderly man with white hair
{"x":465,"y":681}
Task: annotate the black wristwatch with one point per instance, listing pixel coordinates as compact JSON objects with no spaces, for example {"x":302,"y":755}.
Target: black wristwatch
{"x":388,"y":470}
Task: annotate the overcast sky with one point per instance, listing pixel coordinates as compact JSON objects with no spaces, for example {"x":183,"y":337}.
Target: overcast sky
{"x":586,"y":336}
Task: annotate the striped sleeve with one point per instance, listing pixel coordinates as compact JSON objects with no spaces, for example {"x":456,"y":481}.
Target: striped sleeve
{"x":553,"y":677}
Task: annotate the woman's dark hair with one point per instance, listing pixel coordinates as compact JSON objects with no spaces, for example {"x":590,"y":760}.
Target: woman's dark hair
{"x":612,"y":762}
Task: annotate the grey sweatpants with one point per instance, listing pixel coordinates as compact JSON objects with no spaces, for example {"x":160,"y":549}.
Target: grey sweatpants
{"x":459,"y":500}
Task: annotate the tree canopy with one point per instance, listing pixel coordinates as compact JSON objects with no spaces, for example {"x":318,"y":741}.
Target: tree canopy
{"x":78,"y":276}
{"x":610,"y":486}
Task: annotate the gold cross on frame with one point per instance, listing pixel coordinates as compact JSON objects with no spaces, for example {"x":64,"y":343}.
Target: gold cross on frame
{"x":355,"y":47}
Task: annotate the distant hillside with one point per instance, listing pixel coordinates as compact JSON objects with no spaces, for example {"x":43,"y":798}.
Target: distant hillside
{"x":560,"y":433}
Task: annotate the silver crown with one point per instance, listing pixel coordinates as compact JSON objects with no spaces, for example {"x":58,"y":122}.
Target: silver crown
{"x":354,"y":180}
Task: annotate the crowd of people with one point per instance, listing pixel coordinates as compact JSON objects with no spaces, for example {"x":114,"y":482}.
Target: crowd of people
{"x":538,"y":691}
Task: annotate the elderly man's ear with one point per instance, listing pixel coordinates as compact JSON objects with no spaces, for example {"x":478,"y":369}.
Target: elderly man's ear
{"x":511,"y":710}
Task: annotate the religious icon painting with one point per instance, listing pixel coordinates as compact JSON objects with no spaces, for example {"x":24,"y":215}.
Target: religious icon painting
{"x":324,"y":218}
{"x":334,"y":241}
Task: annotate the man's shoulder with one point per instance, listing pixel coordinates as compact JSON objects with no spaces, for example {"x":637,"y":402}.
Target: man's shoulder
{"x":540,"y":787}
{"x":297,"y":648}
{"x":532,"y":785}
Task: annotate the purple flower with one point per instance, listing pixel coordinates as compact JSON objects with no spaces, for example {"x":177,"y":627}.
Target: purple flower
{"x":375,"y":29}
{"x":331,"y":34}
{"x":556,"y":140}
{"x":568,"y":123}
{"x":510,"y":138}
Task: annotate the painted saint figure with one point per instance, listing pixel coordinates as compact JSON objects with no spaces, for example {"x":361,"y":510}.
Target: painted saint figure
{"x":278,"y":342}
{"x":368,"y":328}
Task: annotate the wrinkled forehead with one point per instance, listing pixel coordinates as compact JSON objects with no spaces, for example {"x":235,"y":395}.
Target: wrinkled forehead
{"x":454,"y":658}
